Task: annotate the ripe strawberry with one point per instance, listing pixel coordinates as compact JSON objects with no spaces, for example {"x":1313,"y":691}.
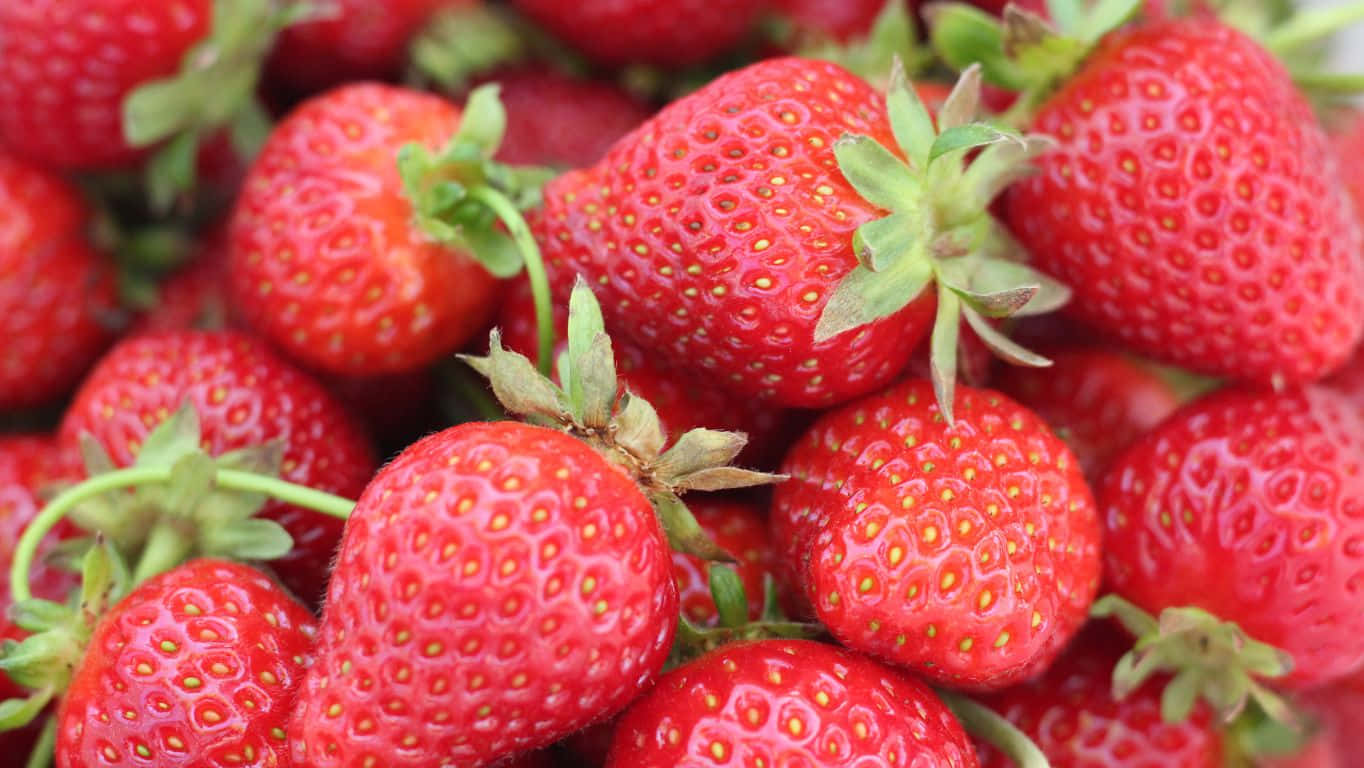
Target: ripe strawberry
{"x":788,"y":702}
{"x":969,"y":553}
{"x":1246,"y":505}
{"x":1072,"y":716}
{"x":725,"y":233}
{"x":1347,"y":137}
{"x":54,"y":286}
{"x":839,"y":20}
{"x":245,"y":396}
{"x":327,"y":259}
{"x":672,"y":33}
{"x":556,"y":120}
{"x":1195,"y":208}
{"x":1098,"y":401}
{"x":196,"y":667}
{"x":739,"y":529}
{"x":1338,"y":709}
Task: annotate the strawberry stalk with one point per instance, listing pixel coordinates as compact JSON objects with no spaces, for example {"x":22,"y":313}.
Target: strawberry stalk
{"x":987,"y":725}
{"x":45,"y":747}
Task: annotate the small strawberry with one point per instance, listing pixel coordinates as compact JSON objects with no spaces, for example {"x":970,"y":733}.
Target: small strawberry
{"x":969,"y":552}
{"x":54,"y":287}
{"x":560,"y":121}
{"x":1076,"y":722}
{"x":777,"y":231}
{"x":1098,"y":401}
{"x":740,"y":530}
{"x":788,"y":702}
{"x":1243,"y":507}
{"x":501,"y":585}
{"x":245,"y":396}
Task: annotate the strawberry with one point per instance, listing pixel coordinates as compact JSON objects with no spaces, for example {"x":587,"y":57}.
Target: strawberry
{"x":1347,"y":138}
{"x":725,"y":232}
{"x":1195,"y":208}
{"x":54,"y":287}
{"x":969,"y":553}
{"x":1074,"y":719}
{"x":556,"y":120}
{"x":839,"y":20}
{"x":738,"y":528}
{"x":352,"y":40}
{"x":788,"y":702}
{"x":246,"y":396}
{"x":1098,"y":401}
{"x":196,"y":667}
{"x":196,"y":295}
{"x":1338,"y":708}
{"x":671,"y":33}
{"x":501,"y":585}
{"x":1242,"y":507}
{"x":330,"y":256}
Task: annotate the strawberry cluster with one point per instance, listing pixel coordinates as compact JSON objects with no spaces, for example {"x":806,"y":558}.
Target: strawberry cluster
{"x":668,"y":383}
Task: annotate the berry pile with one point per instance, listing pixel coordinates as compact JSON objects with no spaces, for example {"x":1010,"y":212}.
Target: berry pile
{"x":669,"y":383}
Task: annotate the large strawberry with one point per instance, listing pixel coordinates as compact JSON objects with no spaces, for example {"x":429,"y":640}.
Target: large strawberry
{"x":969,"y":552}
{"x":501,"y":585}
{"x":1244,"y":507}
{"x":245,"y":396}
{"x":725,"y":233}
{"x":788,"y":702}
{"x":54,"y":287}
{"x":1195,"y":207}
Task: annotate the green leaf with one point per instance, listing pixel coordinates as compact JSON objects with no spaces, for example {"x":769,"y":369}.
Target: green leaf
{"x":964,"y":35}
{"x":103,"y":578}
{"x":879,"y":177}
{"x":997,"y":275}
{"x":998,"y":304}
{"x":172,"y":170}
{"x":249,"y":129}
{"x":963,"y":103}
{"x":1312,"y":25}
{"x":250,"y":539}
{"x":723,"y":479}
{"x":942,"y":354}
{"x":727,"y":590}
{"x":881,"y":242}
{"x":17,"y":713}
{"x":639,"y":430}
{"x":591,"y":382}
{"x":699,"y":449}
{"x":95,"y":459}
{"x":1179,"y":696}
{"x":159,"y":109}
{"x":494,"y":249}
{"x":1005,"y":348}
{"x":1106,"y":16}
{"x":38,"y":615}
{"x":192,"y":480}
{"x":1066,"y":15}
{"x":864,"y":296}
{"x":484,"y":121}
{"x":1000,"y":165}
{"x":172,"y":439}
{"x":517,"y":384}
{"x":910,"y":120}
{"x":967,"y":136}
{"x":684,"y":533}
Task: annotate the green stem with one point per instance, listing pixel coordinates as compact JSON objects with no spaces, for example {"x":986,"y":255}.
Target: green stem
{"x":1311,"y":26}
{"x":45,"y":748}
{"x":231,"y":479}
{"x":988,"y":726}
{"x":535,"y":269}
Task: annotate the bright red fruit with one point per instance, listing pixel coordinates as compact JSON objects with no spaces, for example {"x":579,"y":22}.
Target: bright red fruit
{"x":1339,"y":709}
{"x":715,"y":233}
{"x":969,"y":553}
{"x":1348,"y":138}
{"x":741,"y":530}
{"x":197,"y":667}
{"x":326,"y":256}
{"x":672,"y":33}
{"x":499,"y":586}
{"x":1100,"y":402}
{"x":54,"y":287}
{"x":245,"y":396}
{"x":556,"y":120}
{"x":66,"y":66}
{"x":788,"y":703}
{"x":1250,"y":506}
{"x":1070,"y":713}
{"x":1195,"y":207}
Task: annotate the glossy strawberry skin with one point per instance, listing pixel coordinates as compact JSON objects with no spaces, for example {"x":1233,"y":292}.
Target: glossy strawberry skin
{"x":556,"y":120}
{"x":1071,"y":715}
{"x":741,"y":530}
{"x":1195,"y":207}
{"x":1100,"y":402}
{"x":55,"y":289}
{"x":967,"y":553}
{"x":499,"y":587}
{"x":1248,"y":505}
{"x":326,"y":258}
{"x":788,"y":702}
{"x":66,"y":67}
{"x":715,"y":233}
{"x":245,"y":395}
{"x":670,"y":33}
{"x":196,"y":668}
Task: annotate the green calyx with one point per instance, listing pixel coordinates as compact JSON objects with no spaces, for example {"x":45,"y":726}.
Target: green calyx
{"x":624,"y":428}
{"x":939,"y":229}
{"x":215,"y":87}
{"x":731,"y":603}
{"x":463,"y":198}
{"x":1208,"y":658}
{"x":893,"y":35}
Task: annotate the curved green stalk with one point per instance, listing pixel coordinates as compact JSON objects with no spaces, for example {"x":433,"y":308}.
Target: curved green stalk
{"x":535,"y":269}
{"x":988,"y":726}
{"x":45,"y":747}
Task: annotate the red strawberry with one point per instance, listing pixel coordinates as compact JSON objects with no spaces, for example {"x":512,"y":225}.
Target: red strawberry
{"x":352,"y":40}
{"x":839,"y":20}
{"x":1194,"y":206}
{"x":1348,"y":140}
{"x":739,"y":529}
{"x":556,"y":120}
{"x":968,"y":552}
{"x":1072,"y":716}
{"x":1098,"y":401}
{"x":54,"y":286}
{"x":245,"y":396}
{"x":725,"y":233}
{"x":1339,"y":709}
{"x":327,"y":259}
{"x":788,"y":702}
{"x":196,"y":667}
{"x":1247,"y":505}
{"x":673,"y":33}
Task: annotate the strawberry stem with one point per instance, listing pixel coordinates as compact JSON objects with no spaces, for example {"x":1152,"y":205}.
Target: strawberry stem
{"x":45,"y":747}
{"x":989,"y":726}
{"x":228,"y":479}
